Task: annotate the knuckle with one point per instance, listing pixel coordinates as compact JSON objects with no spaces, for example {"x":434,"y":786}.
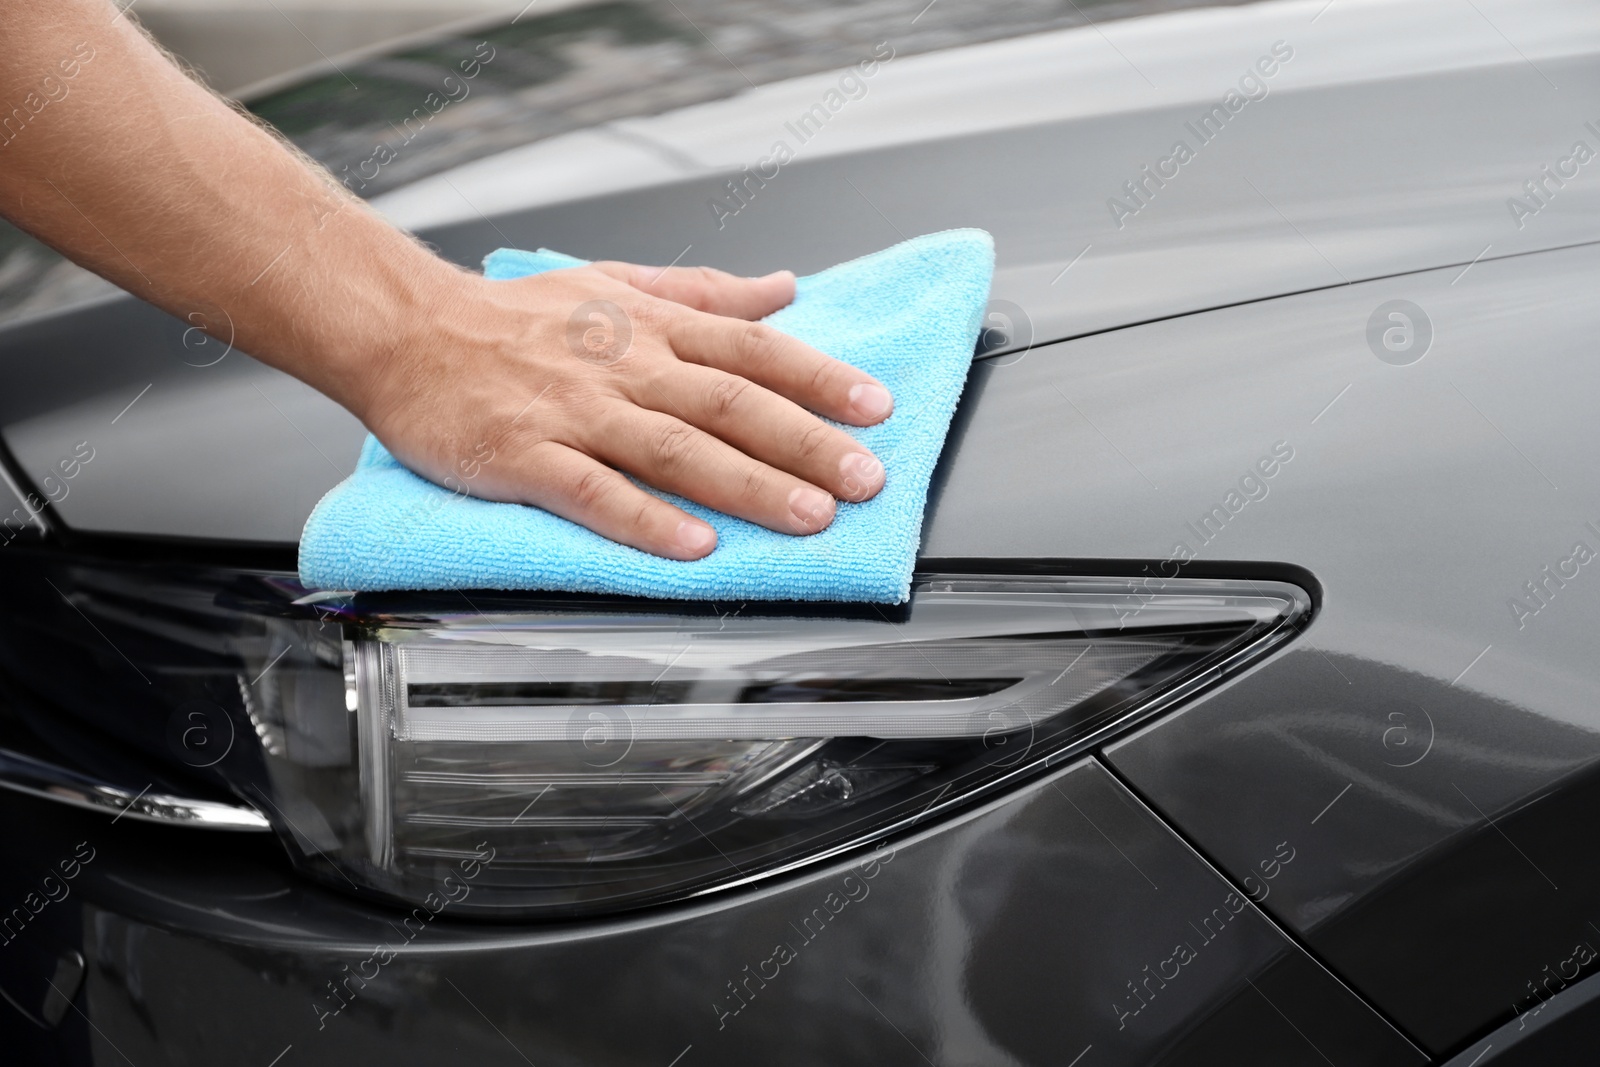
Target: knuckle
{"x":813,"y":441}
{"x":548,"y":413}
{"x":707,"y":280}
{"x":673,"y":447}
{"x":644,"y":514}
{"x":589,"y":405}
{"x":653,"y":316}
{"x":592,"y":489}
{"x":823,"y":377}
{"x":599,"y":332}
{"x":723,"y":399}
{"x":760,"y":344}
{"x":520,"y":436}
{"x":615,"y":271}
{"x":754,"y":483}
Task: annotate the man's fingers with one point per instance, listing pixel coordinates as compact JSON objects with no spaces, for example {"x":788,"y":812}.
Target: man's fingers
{"x":570,"y":484}
{"x":709,"y":290}
{"x":767,"y":427}
{"x":670,"y":454}
{"x":782,"y":364}
{"x":710,"y":335}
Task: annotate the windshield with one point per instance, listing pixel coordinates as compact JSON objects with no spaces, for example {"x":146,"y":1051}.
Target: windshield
{"x":381,"y":122}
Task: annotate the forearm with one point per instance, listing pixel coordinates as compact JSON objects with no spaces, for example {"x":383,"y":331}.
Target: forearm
{"x":140,"y":174}
{"x":125,"y":165}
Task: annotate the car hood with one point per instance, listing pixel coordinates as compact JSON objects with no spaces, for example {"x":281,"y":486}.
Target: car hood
{"x":1326,"y":145}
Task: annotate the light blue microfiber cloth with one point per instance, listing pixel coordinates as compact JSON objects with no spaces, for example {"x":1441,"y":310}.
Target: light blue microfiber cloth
{"x":908,"y":315}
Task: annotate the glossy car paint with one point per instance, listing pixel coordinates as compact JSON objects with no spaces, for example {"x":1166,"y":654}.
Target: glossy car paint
{"x":966,"y":944}
{"x":1418,"y":496}
{"x":1426,"y":750}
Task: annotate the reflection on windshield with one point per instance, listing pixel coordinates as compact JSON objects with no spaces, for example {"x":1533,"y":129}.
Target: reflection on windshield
{"x":384,"y":122}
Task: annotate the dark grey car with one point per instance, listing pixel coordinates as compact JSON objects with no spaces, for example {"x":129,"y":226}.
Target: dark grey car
{"x":1244,"y":711}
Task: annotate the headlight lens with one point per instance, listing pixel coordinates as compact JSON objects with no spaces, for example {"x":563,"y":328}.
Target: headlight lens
{"x":585,"y":754}
{"x":613,"y":758}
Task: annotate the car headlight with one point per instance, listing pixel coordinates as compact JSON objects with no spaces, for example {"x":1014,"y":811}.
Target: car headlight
{"x":587,"y":754}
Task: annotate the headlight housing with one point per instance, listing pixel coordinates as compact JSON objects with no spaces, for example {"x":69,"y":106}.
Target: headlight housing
{"x":588,"y":754}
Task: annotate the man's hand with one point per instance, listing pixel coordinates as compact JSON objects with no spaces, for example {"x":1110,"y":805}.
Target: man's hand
{"x":541,"y":390}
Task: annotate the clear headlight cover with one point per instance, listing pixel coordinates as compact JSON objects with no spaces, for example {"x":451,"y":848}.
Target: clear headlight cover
{"x":587,"y":755}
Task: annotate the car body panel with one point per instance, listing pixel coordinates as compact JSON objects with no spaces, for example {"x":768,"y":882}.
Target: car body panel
{"x":1012,"y":936}
{"x":1424,"y":498}
{"x":183,"y":444}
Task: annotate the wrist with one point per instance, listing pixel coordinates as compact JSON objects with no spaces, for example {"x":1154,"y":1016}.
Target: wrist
{"x":438,"y":317}
{"x":379,"y":322}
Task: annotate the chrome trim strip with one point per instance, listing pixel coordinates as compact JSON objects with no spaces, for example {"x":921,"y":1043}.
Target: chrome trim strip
{"x":35,"y":777}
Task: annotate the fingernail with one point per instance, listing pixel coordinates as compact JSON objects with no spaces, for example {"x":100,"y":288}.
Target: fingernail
{"x":862,"y":475}
{"x":871,"y":400}
{"x":812,"y":509}
{"x":695,"y":538}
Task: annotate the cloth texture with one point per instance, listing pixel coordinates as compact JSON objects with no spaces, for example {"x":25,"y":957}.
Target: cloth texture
{"x":908,"y":315}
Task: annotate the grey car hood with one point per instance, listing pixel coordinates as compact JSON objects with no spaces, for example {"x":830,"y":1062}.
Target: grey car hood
{"x":1388,"y":138}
